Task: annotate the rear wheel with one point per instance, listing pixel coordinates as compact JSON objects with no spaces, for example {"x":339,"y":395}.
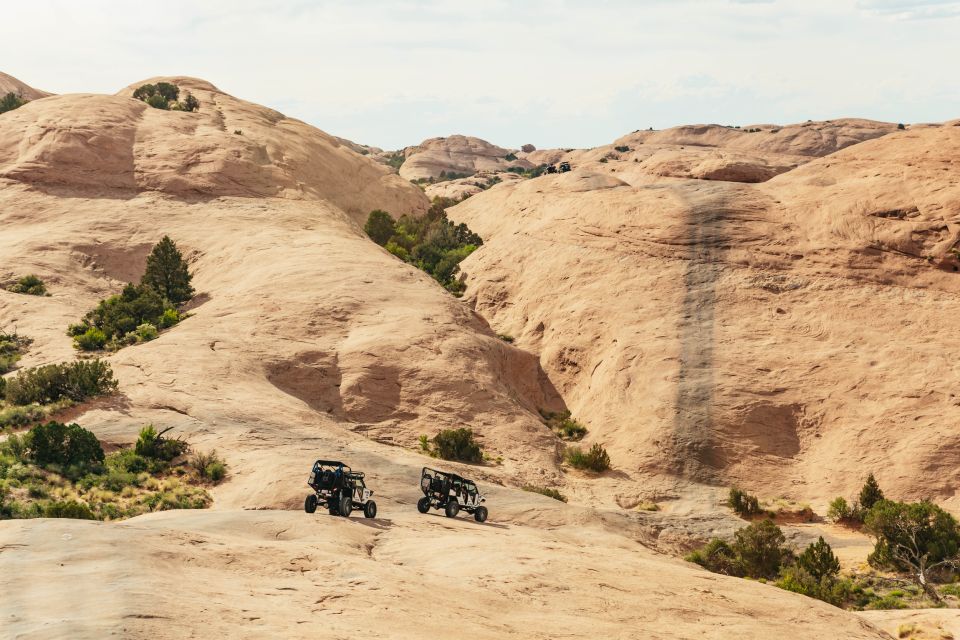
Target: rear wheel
{"x":452,"y":509}
{"x":346,"y":506}
{"x":370,"y":509}
{"x":423,"y":505}
{"x":480,"y":515}
{"x":310,"y":504}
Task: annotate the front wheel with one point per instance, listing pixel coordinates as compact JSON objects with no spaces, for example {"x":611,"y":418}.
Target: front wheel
{"x":423,"y":505}
{"x":310,"y":504}
{"x":452,"y":509}
{"x":370,"y":510}
{"x":346,"y":506}
{"x":480,"y":515}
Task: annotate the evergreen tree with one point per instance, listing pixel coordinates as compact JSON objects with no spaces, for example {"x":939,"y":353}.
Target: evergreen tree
{"x":870,"y":494}
{"x":380,"y":227}
{"x":167,"y":272}
{"x":818,"y":560}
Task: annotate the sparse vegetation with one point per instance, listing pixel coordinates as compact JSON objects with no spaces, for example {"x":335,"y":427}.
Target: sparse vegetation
{"x":841,"y":512}
{"x":870,"y":494}
{"x":506,"y":338}
{"x":563,"y":425}
{"x":596,"y":459}
{"x":510,"y":157}
{"x":622,"y":149}
{"x":545,"y":491}
{"x":164,"y":95}
{"x":52,"y":383}
{"x":60,"y":471}
{"x":396,"y":159}
{"x":457,"y":444}
{"x":140,"y":311}
{"x":11,"y":101}
{"x":12,"y":347}
{"x":743,"y":503}
{"x":431,"y":243}
{"x":209,"y":466}
{"x":30,"y":285}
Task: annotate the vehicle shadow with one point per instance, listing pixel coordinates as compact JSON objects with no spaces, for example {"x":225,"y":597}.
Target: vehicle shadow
{"x":469,"y":521}
{"x":380,"y":524}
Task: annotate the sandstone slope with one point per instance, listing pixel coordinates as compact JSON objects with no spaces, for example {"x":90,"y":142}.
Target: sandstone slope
{"x":9,"y":84}
{"x":307,"y":340}
{"x":790,"y":336}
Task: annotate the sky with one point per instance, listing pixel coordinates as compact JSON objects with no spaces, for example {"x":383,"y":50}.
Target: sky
{"x":554,"y":73}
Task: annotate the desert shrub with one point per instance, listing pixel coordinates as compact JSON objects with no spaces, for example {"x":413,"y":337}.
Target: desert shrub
{"x":169,"y":91}
{"x":839,"y":510}
{"x":190,"y":103}
{"x":11,"y":101}
{"x":69,"y":509}
{"x":92,"y":339}
{"x":622,"y":149}
{"x":901,"y":126}
{"x":431,"y":243}
{"x":209,"y":466}
{"x":510,"y":157}
{"x":719,"y":557}
{"x":457,"y":444}
{"x":12,"y":346}
{"x":870,"y":494}
{"x":950,"y":590}
{"x":546,"y":491}
{"x":564,"y":425}
{"x":167,"y":272}
{"x":596,"y":459}
{"x":146,"y":332}
{"x":144,"y":91}
{"x":50,"y":383}
{"x":424,"y":442}
{"x":151,"y":444}
{"x":30,"y":285}
{"x":169,"y":318}
{"x":158,"y":102}
{"x":833,"y":591}
{"x":743,"y":503}
{"x":63,"y":444}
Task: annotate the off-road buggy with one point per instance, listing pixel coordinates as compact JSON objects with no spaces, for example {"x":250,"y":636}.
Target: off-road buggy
{"x":451,"y":493}
{"x":564,"y":167}
{"x":338,"y":488}
{"x":552,"y":169}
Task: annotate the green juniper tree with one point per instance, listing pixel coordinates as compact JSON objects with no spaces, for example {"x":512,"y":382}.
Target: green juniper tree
{"x":167,"y":272}
{"x":870,"y":494}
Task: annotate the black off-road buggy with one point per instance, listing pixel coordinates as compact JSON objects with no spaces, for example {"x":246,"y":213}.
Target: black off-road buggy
{"x":451,"y":493}
{"x":338,"y":488}
{"x":564,"y":167}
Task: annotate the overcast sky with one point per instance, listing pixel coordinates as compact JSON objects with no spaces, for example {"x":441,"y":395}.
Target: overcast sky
{"x":550,"y":72}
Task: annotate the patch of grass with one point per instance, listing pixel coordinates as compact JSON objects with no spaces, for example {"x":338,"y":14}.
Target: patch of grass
{"x":596,"y":459}
{"x":545,"y":491}
{"x":29,"y":285}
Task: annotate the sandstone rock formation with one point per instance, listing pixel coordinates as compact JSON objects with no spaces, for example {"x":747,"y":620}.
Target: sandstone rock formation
{"x":461,"y":155}
{"x":9,"y":84}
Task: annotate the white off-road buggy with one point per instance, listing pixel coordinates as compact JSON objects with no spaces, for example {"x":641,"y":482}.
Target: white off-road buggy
{"x":338,"y":488}
{"x":450,"y":492}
